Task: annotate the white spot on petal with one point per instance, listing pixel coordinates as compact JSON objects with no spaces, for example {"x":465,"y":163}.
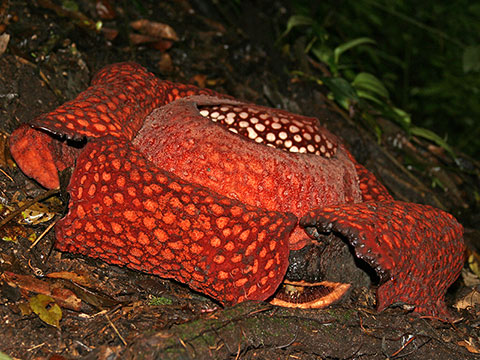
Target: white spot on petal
{"x":298,"y":123}
{"x":271,"y":137}
{"x":283,"y":135}
{"x":260,"y":127}
{"x":293,"y":129}
{"x":251,"y":133}
{"x":230,"y":118}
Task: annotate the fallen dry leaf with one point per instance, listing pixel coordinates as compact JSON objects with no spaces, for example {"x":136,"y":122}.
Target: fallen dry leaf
{"x":469,"y":345}
{"x":11,"y":231}
{"x":165,"y":64}
{"x":5,"y":156}
{"x":4,"y":39}
{"x":200,"y":80}
{"x":474,"y":263}
{"x":64,"y":297}
{"x":155,"y":42}
{"x":105,"y":9}
{"x":154,"y":29}
{"x":109,"y":33}
{"x":468,"y":301}
{"x":68,"y":275}
{"x":46,"y":309}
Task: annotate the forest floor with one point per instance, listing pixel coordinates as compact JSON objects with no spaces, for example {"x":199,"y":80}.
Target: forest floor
{"x":48,"y":54}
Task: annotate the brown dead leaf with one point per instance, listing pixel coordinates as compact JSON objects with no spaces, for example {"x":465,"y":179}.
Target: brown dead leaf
{"x":468,"y":301}
{"x":25,"y":308}
{"x":12,"y":231}
{"x":94,"y":297}
{"x":155,"y":42}
{"x":469,"y":345}
{"x":154,"y":29}
{"x":109,"y":33}
{"x":469,"y":278}
{"x":6,"y":160}
{"x":200,"y":80}
{"x":67,"y":275}
{"x":4,"y":39}
{"x":165,"y":64}
{"x":34,"y":212}
{"x":62,"y":296}
{"x":105,"y":9}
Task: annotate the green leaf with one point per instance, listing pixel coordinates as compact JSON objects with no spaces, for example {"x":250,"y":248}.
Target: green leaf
{"x":323,"y":53}
{"x":296,"y":20}
{"x":159,"y":301}
{"x":368,"y":96}
{"x":370,"y":83}
{"x":342,"y":91}
{"x":372,"y":122}
{"x":350,"y":44}
{"x":70,"y":5}
{"x":402,"y":117}
{"x":4,"y":356}
{"x":46,"y":309}
{"x":430,"y":135}
{"x":471,"y":59}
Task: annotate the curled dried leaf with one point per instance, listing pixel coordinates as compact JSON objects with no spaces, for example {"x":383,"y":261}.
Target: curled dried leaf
{"x":154,"y":29}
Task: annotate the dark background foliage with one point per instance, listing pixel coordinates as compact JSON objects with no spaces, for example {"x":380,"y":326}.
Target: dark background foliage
{"x":427,"y":54}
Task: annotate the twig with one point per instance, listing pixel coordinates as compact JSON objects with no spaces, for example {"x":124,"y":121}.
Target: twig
{"x":38,"y":198}
{"x":413,"y":337}
{"x":116,"y":330}
{"x":238,"y":351}
{"x":42,"y":235}
{"x":8,"y":176}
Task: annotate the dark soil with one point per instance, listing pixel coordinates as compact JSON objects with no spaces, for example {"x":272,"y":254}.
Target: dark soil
{"x":109,"y":312}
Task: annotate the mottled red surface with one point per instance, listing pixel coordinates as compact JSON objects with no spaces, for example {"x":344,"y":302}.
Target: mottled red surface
{"x":207,"y":190}
{"x":127,"y":211}
{"x":198,"y":150}
{"x":414,"y":248}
